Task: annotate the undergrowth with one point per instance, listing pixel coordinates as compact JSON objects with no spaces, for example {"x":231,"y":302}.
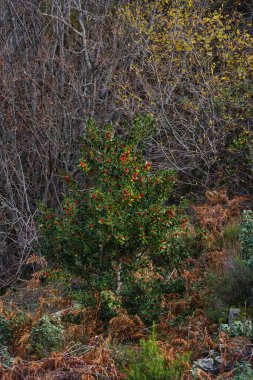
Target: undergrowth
{"x":149,"y":363}
{"x":55,"y":326}
{"x":47,"y":335}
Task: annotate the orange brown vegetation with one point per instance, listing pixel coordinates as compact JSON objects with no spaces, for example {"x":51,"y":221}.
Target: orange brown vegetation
{"x":92,"y":359}
{"x":125,"y":328}
{"x":61,"y":366}
{"x":219,"y":211}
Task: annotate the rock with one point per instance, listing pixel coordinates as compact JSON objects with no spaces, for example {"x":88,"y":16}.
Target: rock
{"x":249,"y":302}
{"x":233,"y":315}
{"x":217,"y":365}
{"x":213,"y":353}
{"x":218,"y":360}
{"x":206,"y":365}
{"x":61,"y":313}
{"x":210,"y":365}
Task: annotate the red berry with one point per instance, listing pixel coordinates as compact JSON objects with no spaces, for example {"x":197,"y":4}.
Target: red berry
{"x":147,"y":166}
{"x":67,"y":179}
{"x":170,"y":213}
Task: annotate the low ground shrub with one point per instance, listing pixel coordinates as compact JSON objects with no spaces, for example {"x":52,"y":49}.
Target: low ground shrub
{"x":150,"y":364}
{"x":243,"y":372}
{"x":47,"y":335}
{"x":235,"y":285}
{"x":232,"y":283}
{"x":238,"y":328}
{"x":246,"y":237}
{"x":6,"y":331}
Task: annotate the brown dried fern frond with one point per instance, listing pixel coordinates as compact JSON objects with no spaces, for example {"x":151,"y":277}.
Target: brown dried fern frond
{"x":37,"y":259}
{"x":124,"y":328}
{"x":215,"y":197}
{"x":97,"y":363}
{"x":219,"y":211}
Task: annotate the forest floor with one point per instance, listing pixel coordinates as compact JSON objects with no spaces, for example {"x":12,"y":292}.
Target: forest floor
{"x":46,"y":333}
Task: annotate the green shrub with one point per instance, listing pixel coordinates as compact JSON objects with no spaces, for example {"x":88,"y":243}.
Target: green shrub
{"x":5,"y":358}
{"x":47,"y":335}
{"x":149,"y":364}
{"x":20,"y":319}
{"x":235,"y":285}
{"x":231,"y":237}
{"x":144,"y":296}
{"x":5,"y":331}
{"x":246,"y":237}
{"x":238,"y":328}
{"x":243,"y":372}
{"x":110,"y":305}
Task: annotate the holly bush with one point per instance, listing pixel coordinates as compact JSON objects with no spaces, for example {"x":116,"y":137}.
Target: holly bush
{"x":117,"y":215}
{"x":246,"y":237}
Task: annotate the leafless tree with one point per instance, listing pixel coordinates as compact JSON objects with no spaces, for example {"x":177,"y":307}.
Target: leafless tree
{"x":57,"y":60}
